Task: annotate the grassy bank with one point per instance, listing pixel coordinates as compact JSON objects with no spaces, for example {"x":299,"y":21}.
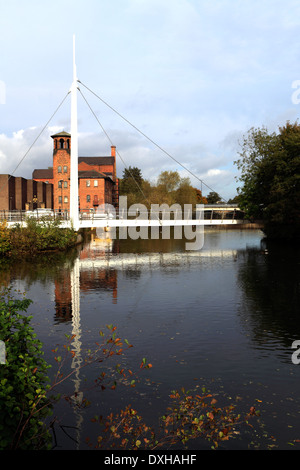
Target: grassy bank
{"x":34,"y":238}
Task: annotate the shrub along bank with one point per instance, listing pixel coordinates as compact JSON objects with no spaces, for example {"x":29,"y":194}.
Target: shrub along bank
{"x":36,"y":237}
{"x":23,"y":380}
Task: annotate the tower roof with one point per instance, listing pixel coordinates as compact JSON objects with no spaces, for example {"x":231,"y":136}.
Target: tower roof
{"x":61,"y":134}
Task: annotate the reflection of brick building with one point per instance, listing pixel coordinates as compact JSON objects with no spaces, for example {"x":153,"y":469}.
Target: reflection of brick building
{"x":97,"y":182}
{"x":63,"y":296}
{"x":98,"y":278}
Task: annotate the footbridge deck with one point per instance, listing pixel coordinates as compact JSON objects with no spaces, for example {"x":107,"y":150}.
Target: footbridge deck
{"x":208,"y":215}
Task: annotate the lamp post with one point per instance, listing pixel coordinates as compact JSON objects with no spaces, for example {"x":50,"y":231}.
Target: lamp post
{"x":34,"y":201}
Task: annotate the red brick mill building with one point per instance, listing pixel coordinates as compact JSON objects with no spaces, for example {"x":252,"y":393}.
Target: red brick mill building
{"x":50,"y":188}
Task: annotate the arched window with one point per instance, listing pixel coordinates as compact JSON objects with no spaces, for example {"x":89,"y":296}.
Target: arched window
{"x":59,"y":169}
{"x":61,"y":143}
{"x":68,"y":143}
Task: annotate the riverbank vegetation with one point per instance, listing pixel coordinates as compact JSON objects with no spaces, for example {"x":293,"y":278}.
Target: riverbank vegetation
{"x":38,"y":236}
{"x":23,"y":380}
{"x":270,"y":175}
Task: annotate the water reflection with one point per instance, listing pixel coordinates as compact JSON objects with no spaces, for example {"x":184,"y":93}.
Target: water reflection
{"x":269,"y":277}
{"x":228,"y":312}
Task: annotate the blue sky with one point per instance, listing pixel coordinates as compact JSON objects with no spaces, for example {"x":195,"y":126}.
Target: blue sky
{"x":193,"y":75}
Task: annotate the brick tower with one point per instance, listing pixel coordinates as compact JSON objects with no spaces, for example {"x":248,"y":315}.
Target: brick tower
{"x":61,"y":171}
{"x":97,"y":180}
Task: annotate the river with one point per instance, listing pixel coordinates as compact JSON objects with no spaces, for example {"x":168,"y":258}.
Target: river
{"x":223,"y":317}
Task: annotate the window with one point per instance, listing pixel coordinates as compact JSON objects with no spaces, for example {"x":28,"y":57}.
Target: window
{"x":88,"y":183}
{"x":65,"y":184}
{"x":61,"y":143}
{"x":66,"y":199}
{"x":65,"y":169}
{"x":59,"y":199}
{"x":95,"y":183}
{"x":60,"y":184}
{"x":88,"y":198}
{"x":59,"y":169}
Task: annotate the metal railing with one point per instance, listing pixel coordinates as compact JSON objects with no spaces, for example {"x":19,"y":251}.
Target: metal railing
{"x":21,"y":215}
{"x":86,"y":214}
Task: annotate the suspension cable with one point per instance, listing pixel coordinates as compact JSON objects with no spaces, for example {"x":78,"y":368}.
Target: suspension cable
{"x":39,"y":135}
{"x":128,"y":169}
{"x":148,"y":138}
{"x":22,"y":159}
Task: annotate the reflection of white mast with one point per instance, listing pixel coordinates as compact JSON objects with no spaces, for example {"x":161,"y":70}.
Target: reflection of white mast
{"x":75,"y":298}
{"x":74,"y":149}
{"x":76,"y":344}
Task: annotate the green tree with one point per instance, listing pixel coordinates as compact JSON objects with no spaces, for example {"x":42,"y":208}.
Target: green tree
{"x":213,"y":198}
{"x":234,"y":200}
{"x":270,"y":172}
{"x":131,"y":182}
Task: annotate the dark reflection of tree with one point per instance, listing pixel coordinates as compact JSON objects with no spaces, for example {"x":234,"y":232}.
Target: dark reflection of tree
{"x":133,"y":273}
{"x":270,"y":279}
{"x":152,"y":246}
{"x":41,"y":269}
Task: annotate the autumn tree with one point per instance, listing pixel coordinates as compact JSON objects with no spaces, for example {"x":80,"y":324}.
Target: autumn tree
{"x":199,"y":197}
{"x":170,"y":188}
{"x":170,"y":180}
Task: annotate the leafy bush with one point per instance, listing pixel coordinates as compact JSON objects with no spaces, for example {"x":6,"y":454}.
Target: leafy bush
{"x":23,"y":380}
{"x":4,"y":238}
{"x":36,"y":237}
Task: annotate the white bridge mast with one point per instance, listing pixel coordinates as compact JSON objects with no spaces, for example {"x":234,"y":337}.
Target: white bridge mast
{"x":74,"y":214}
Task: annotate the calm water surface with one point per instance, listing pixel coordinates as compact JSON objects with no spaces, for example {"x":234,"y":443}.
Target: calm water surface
{"x":224,"y":317}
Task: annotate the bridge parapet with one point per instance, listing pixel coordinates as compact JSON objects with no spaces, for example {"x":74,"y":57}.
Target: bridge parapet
{"x":213,"y":214}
